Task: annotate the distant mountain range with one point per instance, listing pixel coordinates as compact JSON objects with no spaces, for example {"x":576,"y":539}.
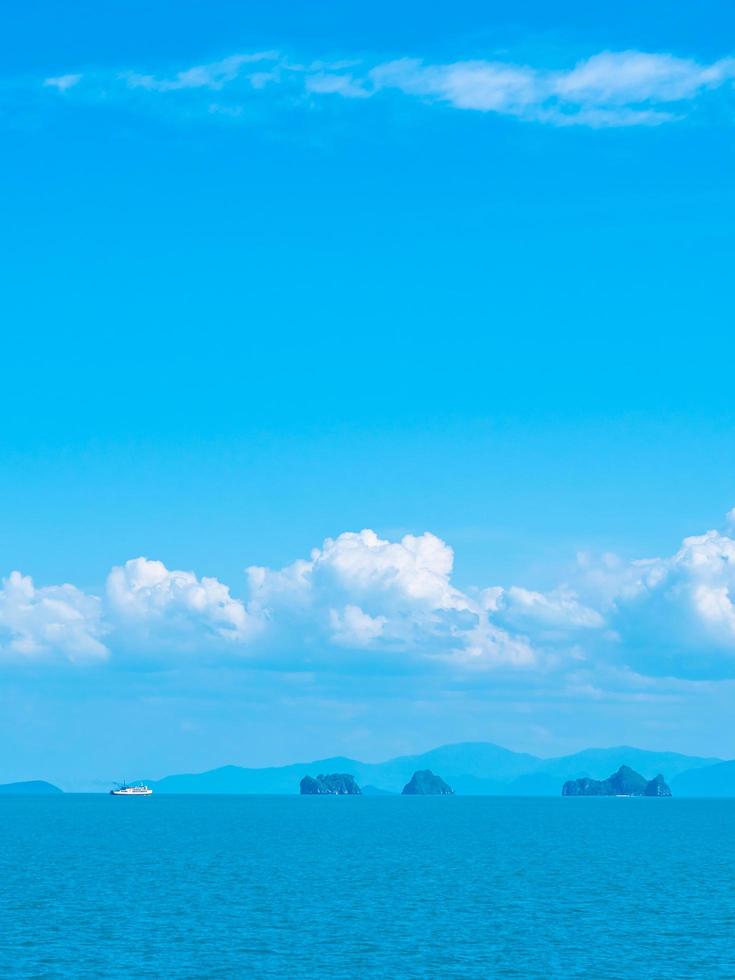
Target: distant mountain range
{"x":473,"y":768}
{"x":718,"y":780}
{"x":36,"y":787}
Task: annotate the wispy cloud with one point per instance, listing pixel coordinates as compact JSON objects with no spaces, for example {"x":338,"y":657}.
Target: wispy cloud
{"x":214,"y":76}
{"x":607,"y":89}
{"x":62,"y":82}
{"x":623,"y":88}
{"x":633,"y":77}
{"x":336,"y":83}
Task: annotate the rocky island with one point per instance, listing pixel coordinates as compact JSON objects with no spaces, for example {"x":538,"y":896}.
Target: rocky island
{"x":426,"y":783}
{"x":624,"y":782}
{"x":334,"y":784}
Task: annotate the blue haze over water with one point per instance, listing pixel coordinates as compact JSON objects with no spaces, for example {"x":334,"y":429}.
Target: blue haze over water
{"x":207,"y":886}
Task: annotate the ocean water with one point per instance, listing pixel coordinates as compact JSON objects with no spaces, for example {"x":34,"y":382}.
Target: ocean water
{"x":227,"y":886}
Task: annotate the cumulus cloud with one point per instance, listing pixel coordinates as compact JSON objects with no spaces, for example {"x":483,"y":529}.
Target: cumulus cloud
{"x":360,"y":595}
{"x":351,"y":627}
{"x":150,"y":603}
{"x":559,"y":609}
{"x":677,"y":614}
{"x":57,"y":621}
{"x":360,"y":590}
{"x":609,"y":88}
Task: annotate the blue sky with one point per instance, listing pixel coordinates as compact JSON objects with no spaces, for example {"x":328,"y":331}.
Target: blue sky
{"x":277,"y":273}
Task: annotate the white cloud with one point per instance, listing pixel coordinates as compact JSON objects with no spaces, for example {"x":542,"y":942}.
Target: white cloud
{"x":558,"y":609}
{"x":149,"y":603}
{"x":214,"y":76}
{"x":609,"y":88}
{"x":359,"y":590}
{"x":605,"y":118}
{"x":671,"y":615}
{"x":330,"y":83}
{"x":631,"y":77}
{"x":360,"y":595}
{"x":57,"y":620}
{"x":483,"y":85}
{"x":62,"y":82}
{"x":694,"y":590}
{"x":351,"y":627}
{"x":624,"y":88}
{"x":416,"y":569}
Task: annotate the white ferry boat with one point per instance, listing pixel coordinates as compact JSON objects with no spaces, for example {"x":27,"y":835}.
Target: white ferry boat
{"x":134,"y":789}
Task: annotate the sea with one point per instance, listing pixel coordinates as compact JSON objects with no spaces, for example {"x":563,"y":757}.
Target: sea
{"x":389,"y":887}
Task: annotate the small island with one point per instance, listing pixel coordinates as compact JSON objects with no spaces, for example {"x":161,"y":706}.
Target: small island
{"x":426,"y":783}
{"x":334,"y":784}
{"x":624,"y":782}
